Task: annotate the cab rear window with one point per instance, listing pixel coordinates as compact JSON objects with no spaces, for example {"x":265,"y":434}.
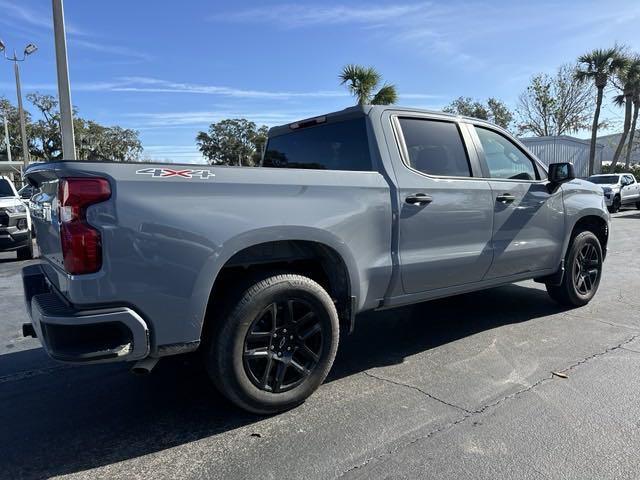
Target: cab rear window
{"x":329,"y":146}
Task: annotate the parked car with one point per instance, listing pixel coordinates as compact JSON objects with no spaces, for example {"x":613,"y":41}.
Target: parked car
{"x":620,"y":189}
{"x":15,"y":223}
{"x":368,"y":208}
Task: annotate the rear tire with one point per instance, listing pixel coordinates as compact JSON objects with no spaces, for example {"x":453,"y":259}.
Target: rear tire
{"x":275,"y":345}
{"x":583,"y":270}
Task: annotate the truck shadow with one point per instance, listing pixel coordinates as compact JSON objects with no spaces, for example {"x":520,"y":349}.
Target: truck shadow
{"x":58,"y":420}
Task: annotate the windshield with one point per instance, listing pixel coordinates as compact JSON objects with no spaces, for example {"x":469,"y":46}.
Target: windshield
{"x":604,"y":179}
{"x":5,"y":189}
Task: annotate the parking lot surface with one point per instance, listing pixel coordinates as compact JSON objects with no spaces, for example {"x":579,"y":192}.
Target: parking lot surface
{"x":456,"y":388}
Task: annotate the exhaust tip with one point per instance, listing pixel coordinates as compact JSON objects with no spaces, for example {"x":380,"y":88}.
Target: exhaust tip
{"x":144,"y":366}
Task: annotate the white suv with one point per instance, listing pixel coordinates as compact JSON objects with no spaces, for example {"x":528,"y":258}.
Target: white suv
{"x":619,"y":189}
{"x":15,"y":223}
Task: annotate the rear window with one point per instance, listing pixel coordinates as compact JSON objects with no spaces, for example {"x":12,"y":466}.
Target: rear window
{"x":330,"y":146}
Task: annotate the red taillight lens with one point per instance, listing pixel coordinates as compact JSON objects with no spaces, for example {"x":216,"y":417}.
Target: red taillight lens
{"x":81,"y":243}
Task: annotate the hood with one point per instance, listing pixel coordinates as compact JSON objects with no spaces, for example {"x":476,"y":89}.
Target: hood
{"x":585,"y":185}
{"x":608,"y":185}
{"x":10,"y":202}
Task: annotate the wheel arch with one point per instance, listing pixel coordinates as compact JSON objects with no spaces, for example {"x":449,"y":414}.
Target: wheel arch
{"x":593,"y":222}
{"x":307,"y":251}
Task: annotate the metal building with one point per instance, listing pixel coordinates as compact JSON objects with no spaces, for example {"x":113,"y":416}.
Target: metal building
{"x":565,"y":149}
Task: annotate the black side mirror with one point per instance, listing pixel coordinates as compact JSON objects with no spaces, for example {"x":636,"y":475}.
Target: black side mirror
{"x":561,"y":172}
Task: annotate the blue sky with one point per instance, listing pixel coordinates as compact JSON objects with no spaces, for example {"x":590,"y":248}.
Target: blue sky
{"x":168,"y":69}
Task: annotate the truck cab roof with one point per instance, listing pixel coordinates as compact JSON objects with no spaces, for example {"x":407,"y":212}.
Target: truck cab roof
{"x":365,"y":110}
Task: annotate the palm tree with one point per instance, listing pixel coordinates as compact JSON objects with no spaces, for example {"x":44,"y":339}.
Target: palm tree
{"x":629,"y":83}
{"x":634,"y":123}
{"x":598,"y":66}
{"x":362,"y":81}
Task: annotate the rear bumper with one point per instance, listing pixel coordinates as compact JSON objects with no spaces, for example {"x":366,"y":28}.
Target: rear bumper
{"x":81,"y":336}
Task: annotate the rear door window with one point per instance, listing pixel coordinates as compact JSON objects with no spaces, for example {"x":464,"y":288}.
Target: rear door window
{"x":435,"y":147}
{"x":330,"y":146}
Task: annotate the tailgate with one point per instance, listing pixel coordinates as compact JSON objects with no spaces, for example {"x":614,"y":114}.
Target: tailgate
{"x":44,"y":215}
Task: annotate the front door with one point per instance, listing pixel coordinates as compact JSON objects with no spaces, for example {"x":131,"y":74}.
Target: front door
{"x":528,"y":224}
{"x":630,"y":189}
{"x":446,"y":214}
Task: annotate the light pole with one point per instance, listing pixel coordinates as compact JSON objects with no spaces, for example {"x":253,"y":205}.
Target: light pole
{"x":64,"y":90}
{"x":7,"y":142}
{"x":28,"y":50}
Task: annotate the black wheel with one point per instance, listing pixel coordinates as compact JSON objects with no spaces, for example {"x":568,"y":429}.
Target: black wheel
{"x":583,"y":269}
{"x":615,"y":206}
{"x":638,"y":205}
{"x":26,"y":253}
{"x":276,"y":344}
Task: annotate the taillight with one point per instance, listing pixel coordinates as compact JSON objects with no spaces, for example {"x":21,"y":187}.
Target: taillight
{"x":81,"y":243}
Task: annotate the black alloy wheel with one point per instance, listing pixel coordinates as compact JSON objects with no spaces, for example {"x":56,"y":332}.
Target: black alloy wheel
{"x":586,"y":269}
{"x":283,"y":345}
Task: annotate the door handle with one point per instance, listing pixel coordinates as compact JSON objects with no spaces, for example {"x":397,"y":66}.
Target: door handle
{"x":505,"y":198}
{"x":418,"y":199}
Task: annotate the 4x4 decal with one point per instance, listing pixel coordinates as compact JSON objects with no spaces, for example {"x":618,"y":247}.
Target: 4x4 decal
{"x":162,"y":172}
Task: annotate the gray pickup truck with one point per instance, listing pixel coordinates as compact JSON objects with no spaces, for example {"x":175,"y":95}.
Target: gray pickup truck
{"x":260,"y":268}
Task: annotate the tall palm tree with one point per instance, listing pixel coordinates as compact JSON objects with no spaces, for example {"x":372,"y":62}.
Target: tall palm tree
{"x":634,"y":123}
{"x":598,"y":66}
{"x":362,"y":81}
{"x":629,"y":78}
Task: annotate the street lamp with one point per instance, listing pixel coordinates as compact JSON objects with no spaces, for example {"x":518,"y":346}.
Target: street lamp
{"x":28,"y":50}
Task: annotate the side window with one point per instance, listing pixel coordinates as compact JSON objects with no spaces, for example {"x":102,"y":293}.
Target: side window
{"x":339,"y":145}
{"x":435,"y":147}
{"x":629,"y":179}
{"x":504,"y":158}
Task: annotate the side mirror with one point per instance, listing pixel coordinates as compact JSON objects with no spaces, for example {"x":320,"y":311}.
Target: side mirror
{"x":561,"y":172}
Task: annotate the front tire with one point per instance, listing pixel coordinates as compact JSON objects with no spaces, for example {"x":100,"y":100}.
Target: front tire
{"x":583,"y":270}
{"x":275,"y":345}
{"x":616,"y":204}
{"x":26,"y":253}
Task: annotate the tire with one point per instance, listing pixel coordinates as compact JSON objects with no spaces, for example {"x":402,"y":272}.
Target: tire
{"x":583,"y":271}
{"x":638,"y":205}
{"x":26,"y":253}
{"x":249,"y":353}
{"x":615,"y":206}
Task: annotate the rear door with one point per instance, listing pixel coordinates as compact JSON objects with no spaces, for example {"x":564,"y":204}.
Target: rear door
{"x":446,"y":214}
{"x":528,"y":222}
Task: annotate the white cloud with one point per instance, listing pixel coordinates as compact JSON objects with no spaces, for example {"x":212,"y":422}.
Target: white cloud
{"x":155,"y":85}
{"x":292,"y":15}
{"x":159,"y":120}
{"x":108,"y":49}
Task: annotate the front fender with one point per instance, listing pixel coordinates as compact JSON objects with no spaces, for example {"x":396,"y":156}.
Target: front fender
{"x":582,"y":199}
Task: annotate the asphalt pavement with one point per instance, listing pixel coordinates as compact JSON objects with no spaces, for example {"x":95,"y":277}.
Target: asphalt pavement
{"x":456,"y":388}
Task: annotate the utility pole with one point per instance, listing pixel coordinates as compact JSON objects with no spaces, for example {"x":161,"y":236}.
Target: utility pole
{"x":64,"y":90}
{"x":7,"y":142}
{"x":28,"y":50}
